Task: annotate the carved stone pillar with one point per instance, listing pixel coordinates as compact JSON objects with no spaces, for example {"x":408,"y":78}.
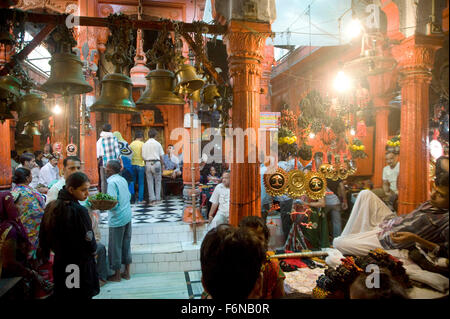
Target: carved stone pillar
{"x":415,"y":56}
{"x":245,"y":45}
{"x":381,"y":90}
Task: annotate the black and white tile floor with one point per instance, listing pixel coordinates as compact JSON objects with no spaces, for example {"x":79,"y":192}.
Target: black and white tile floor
{"x":170,"y":210}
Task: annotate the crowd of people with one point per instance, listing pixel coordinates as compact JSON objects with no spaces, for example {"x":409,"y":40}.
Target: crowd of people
{"x":47,"y":223}
{"x":42,"y":235}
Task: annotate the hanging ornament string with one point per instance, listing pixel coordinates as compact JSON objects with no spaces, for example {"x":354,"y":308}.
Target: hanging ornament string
{"x":240,"y":205}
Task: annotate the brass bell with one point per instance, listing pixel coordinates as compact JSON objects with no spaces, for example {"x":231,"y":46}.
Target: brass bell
{"x":159,"y":91}
{"x":30,"y":129}
{"x":187,"y":79}
{"x":196,"y":96}
{"x":31,"y":107}
{"x":209,"y":94}
{"x":66,"y":77}
{"x":116,"y":95}
{"x":5,"y":111}
{"x":9,"y":85}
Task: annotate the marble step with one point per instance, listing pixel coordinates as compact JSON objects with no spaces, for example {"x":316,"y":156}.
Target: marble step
{"x":169,"y":257}
{"x":160,"y":233}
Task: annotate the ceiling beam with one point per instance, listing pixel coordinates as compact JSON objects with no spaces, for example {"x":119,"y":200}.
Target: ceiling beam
{"x":56,"y":19}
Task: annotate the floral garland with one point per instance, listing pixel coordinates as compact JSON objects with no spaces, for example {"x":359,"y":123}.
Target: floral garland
{"x":357,"y":149}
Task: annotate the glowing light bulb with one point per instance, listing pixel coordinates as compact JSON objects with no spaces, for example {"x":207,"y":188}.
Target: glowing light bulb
{"x":436,"y":149}
{"x":56,"y":109}
{"x":354,"y":28}
{"x":352,"y":132}
{"x":342,"y":82}
{"x":312,"y":135}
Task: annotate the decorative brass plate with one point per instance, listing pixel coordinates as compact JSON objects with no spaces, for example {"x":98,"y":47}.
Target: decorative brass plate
{"x":296,"y":183}
{"x":276,"y":183}
{"x":316,"y":185}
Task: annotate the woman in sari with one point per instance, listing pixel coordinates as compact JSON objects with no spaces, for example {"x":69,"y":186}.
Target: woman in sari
{"x":30,"y":205}
{"x":14,"y":250}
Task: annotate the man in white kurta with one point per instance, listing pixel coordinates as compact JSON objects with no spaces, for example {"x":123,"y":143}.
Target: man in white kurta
{"x":220,"y":199}
{"x":152,"y":153}
{"x":49,"y":172}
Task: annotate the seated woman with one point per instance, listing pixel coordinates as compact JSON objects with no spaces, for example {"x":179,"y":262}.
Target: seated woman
{"x":273,"y":276}
{"x":30,"y":205}
{"x":213,"y":177}
{"x":15,"y":248}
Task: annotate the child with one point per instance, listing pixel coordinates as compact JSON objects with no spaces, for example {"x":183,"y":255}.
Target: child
{"x":273,"y":278}
{"x":67,"y":230}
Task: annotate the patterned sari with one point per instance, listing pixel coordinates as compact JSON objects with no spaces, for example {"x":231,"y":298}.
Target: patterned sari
{"x":31,"y":209}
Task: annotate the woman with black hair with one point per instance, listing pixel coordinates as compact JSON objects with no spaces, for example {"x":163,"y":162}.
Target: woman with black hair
{"x":67,"y":230}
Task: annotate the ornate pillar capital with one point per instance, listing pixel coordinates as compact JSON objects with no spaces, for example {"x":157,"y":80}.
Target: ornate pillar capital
{"x":415,"y":57}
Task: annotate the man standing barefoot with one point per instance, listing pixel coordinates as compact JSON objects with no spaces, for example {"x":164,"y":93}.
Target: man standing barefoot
{"x":119,"y":220}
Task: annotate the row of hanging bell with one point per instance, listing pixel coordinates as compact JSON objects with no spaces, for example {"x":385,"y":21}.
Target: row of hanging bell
{"x":30,"y":106}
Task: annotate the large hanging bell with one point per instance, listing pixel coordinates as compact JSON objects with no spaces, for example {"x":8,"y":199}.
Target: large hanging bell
{"x":116,"y":95}
{"x":196,"y":96}
{"x":31,"y":107}
{"x":187,"y":80}
{"x":209,"y":94}
{"x":159,"y":91}
{"x":5,"y":111}
{"x":30,"y":129}
{"x":9,"y":85}
{"x":66,"y":77}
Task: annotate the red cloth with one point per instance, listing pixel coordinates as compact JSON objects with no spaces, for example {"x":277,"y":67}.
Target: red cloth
{"x":294,"y":261}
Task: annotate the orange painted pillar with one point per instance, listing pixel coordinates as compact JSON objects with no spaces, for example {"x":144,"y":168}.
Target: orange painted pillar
{"x":88,"y":138}
{"x":245,"y":47}
{"x":415,"y":56}
{"x":381,"y":89}
{"x":5,"y":156}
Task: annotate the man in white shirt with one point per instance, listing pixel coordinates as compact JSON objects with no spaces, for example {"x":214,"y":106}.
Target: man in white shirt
{"x":152,"y":153}
{"x":49,"y":172}
{"x":71,"y":165}
{"x":389,"y":192}
{"x":220,"y":200}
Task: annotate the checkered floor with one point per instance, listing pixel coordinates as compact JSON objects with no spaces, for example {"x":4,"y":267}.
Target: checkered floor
{"x":170,"y":210}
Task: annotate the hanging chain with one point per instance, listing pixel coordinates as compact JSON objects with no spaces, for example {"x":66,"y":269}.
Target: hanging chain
{"x":121,"y":39}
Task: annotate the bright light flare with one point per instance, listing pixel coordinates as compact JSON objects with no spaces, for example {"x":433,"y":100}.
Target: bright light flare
{"x":354,"y":29}
{"x":342,"y":82}
{"x":436,"y":149}
{"x":57,"y":110}
{"x":352,"y":132}
{"x":312,"y":135}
